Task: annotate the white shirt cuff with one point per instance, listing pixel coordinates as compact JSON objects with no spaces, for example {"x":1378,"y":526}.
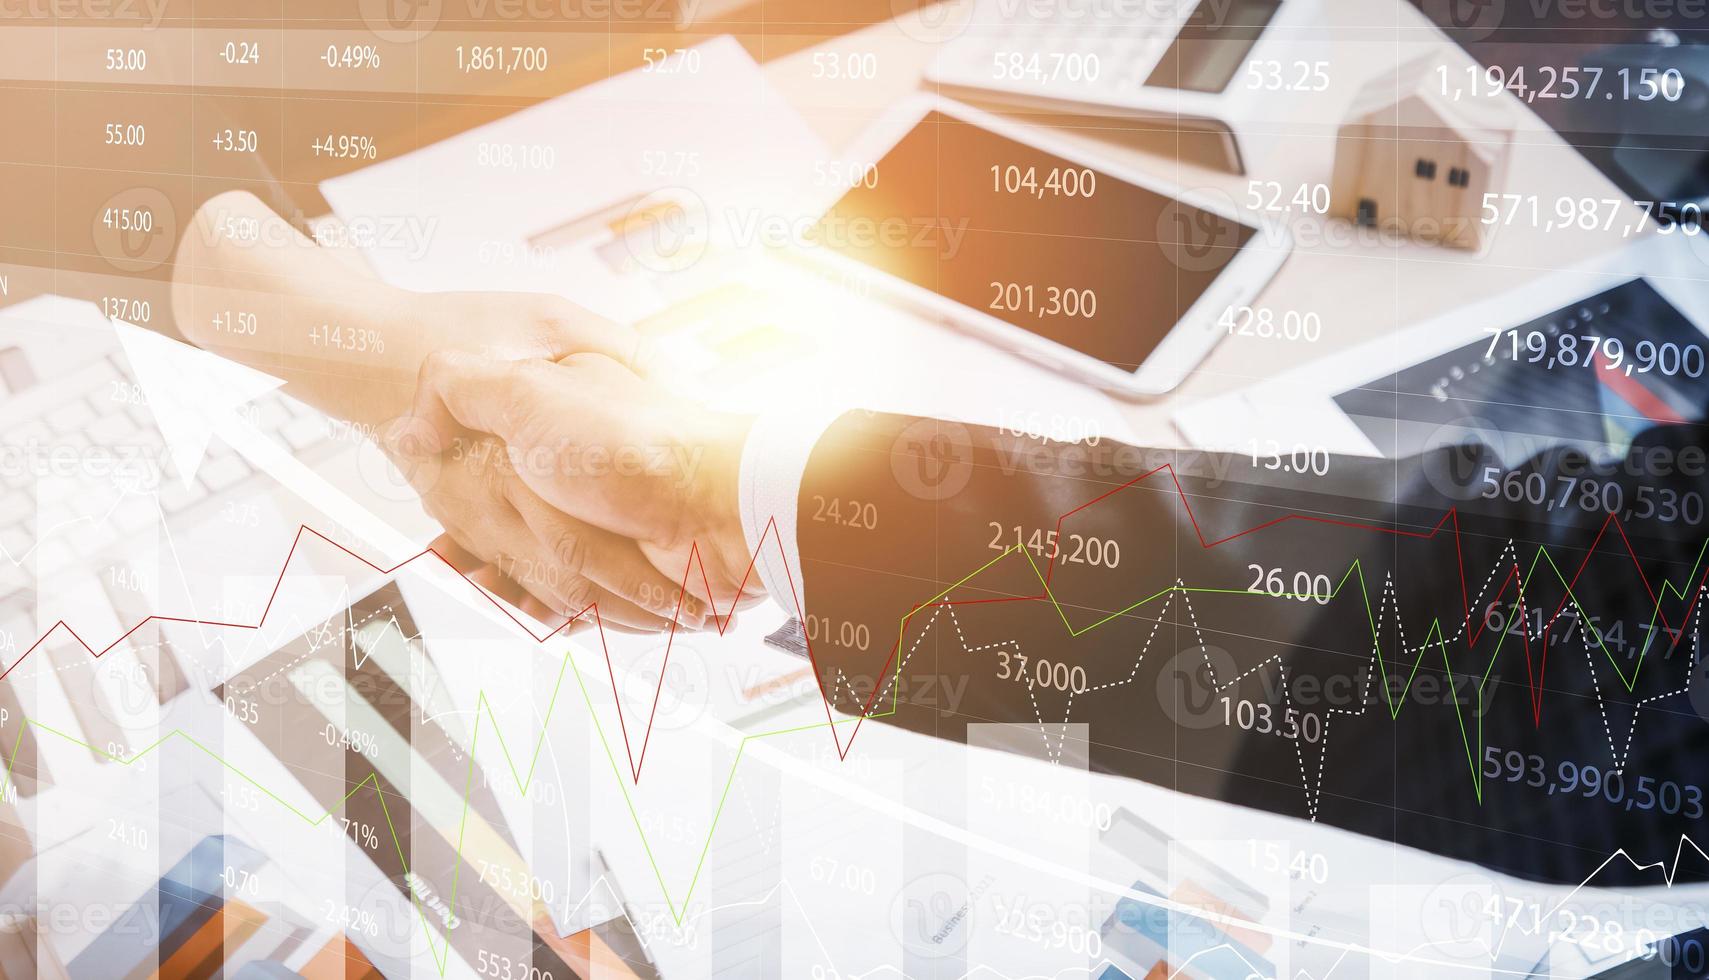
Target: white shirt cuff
{"x":773,"y":461}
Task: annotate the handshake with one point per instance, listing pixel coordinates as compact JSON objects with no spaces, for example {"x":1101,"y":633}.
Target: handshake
{"x":567,"y":480}
{"x":563,"y":477}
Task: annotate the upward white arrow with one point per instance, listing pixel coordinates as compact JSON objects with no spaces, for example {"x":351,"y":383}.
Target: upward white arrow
{"x":189,"y":390}
{"x":195,"y":395}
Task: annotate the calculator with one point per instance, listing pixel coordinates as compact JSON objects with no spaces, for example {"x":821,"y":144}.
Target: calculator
{"x":1184,"y":60}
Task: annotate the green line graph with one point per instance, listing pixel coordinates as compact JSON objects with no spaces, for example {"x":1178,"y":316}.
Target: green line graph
{"x":678,"y":908}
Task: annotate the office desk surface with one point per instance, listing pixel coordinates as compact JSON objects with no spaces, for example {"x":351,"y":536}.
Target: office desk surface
{"x":1362,"y":285}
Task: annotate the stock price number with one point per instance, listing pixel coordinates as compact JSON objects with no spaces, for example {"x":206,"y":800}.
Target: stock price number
{"x":1271,"y":857}
{"x":1049,"y":301}
{"x":1042,"y":68}
{"x":845,"y":633}
{"x":1567,"y":350}
{"x":670,"y":61}
{"x":1260,"y":718}
{"x":1649,"y":502}
{"x":1298,"y":458}
{"x":1613,"y":214}
{"x":1570,"y":82}
{"x":236,"y":141}
{"x":240,"y":52}
{"x":127,"y":308}
{"x":1053,"y":182}
{"x":859,"y":514}
{"x":1592,"y":783}
{"x":501,"y":967}
{"x":1273,"y":75}
{"x":500,"y":59}
{"x":1271,"y":196}
{"x":126,"y":59}
{"x":125,"y":134}
{"x":1051,"y":674}
{"x":856,"y":65}
{"x":1306,"y":586}
{"x":1266,"y":324}
{"x":128,"y":219}
{"x":1083,"y":549}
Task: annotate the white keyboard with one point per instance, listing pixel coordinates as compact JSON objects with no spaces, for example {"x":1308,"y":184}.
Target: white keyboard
{"x":98,"y":705}
{"x":81,"y":409}
{"x":1060,"y":52}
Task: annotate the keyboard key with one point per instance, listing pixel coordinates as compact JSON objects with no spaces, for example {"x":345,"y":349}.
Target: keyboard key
{"x":271,"y":412}
{"x":300,"y":433}
{"x":73,"y":415}
{"x":23,"y":434}
{"x":174,"y":496}
{"x":111,"y":429}
{"x":218,"y":474}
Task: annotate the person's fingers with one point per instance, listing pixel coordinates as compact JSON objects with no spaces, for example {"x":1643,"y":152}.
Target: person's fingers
{"x":586,"y":435}
{"x":455,"y":555}
{"x":566,"y":328}
{"x":564,"y":550}
{"x":490,"y":578}
{"x":511,"y":550}
{"x":607,"y":610}
{"x":458,"y":390}
{"x":550,"y":557}
{"x":610,"y":561}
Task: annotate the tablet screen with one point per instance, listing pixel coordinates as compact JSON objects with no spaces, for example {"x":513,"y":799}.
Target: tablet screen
{"x":1061,"y":250}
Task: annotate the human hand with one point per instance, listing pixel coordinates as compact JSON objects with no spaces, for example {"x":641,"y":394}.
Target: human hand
{"x":604,"y":447}
{"x":498,"y":530}
{"x":353,"y":346}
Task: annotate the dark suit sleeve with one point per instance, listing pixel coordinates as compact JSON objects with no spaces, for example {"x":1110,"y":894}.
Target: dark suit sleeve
{"x":1390,"y":647}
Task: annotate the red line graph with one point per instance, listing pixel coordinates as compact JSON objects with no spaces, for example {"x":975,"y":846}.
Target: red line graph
{"x":1449,"y":519}
{"x":592,"y":609}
